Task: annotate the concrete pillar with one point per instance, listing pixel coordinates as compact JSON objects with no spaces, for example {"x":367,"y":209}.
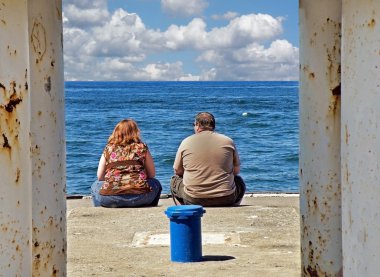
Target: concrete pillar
{"x":32,"y":145}
{"x":361,"y":138}
{"x":320,"y":196}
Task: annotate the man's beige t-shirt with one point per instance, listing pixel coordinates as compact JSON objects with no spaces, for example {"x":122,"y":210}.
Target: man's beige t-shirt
{"x":208,"y":159}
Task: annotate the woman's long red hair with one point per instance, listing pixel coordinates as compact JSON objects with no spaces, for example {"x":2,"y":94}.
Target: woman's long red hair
{"x":125,"y":132}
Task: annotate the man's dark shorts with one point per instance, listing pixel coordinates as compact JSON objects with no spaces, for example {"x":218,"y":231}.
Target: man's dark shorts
{"x":180,"y":197}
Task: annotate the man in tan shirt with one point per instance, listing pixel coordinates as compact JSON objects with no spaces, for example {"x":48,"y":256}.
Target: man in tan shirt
{"x":206,"y":167}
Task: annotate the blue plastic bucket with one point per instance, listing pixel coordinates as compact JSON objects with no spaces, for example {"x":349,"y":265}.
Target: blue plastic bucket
{"x":185,"y":233}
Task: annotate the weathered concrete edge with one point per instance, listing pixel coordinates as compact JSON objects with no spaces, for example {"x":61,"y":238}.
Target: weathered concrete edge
{"x":250,"y":194}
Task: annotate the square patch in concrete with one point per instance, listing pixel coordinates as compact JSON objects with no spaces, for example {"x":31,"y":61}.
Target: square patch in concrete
{"x":142,"y":239}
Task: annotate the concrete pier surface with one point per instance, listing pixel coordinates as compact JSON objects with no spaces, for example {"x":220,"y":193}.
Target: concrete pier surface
{"x":259,"y":238}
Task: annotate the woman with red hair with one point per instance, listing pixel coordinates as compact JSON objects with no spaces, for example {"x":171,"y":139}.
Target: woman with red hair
{"x":126,"y":171}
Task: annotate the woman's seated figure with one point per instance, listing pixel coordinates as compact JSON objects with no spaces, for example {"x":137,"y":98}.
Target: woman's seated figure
{"x":126,"y":171}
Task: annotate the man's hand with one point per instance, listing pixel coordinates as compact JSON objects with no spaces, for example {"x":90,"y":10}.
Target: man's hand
{"x":179,"y":171}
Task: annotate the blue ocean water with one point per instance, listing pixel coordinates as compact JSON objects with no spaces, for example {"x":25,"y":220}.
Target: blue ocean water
{"x":261,"y":117}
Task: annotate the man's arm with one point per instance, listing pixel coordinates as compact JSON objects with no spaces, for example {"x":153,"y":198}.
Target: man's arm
{"x":236,"y":169}
{"x":236,"y":162}
{"x":178,"y":164}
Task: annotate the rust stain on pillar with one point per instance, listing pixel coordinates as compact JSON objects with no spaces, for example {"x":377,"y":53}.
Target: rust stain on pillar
{"x":320,"y":106}
{"x":11,"y":96}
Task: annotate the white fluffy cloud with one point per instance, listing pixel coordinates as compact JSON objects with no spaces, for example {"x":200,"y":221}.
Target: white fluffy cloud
{"x":253,"y":62}
{"x":85,"y":13}
{"x":184,"y":8}
{"x":227,"y":16}
{"x":118,"y":46}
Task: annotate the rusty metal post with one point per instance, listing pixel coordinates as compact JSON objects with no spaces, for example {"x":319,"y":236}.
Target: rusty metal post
{"x":32,"y":145}
{"x":320,"y":185}
{"x":15,"y":164}
{"x":361,"y":138}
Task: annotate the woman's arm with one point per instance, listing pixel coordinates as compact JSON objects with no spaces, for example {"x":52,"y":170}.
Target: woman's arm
{"x":149,"y":165}
{"x":101,"y":168}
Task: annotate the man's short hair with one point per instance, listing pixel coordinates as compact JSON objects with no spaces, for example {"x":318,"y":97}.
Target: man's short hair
{"x":205,"y":121}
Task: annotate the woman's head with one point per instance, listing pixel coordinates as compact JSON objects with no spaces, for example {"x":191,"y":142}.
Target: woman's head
{"x":125,"y":132}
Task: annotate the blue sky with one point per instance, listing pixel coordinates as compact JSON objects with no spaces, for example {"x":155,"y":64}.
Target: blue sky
{"x":171,"y":40}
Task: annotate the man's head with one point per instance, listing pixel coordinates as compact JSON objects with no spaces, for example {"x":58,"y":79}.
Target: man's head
{"x":205,"y":121}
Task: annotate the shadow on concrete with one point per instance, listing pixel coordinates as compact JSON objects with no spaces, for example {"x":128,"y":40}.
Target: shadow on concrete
{"x":216,"y":258}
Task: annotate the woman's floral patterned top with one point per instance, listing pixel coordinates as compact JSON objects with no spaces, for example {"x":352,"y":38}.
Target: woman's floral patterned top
{"x":125,"y":173}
